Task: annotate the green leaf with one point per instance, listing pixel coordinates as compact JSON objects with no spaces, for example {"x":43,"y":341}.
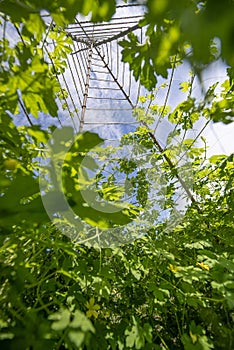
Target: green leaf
{"x":76,"y":337}
{"x":136,"y":274}
{"x":185,"y":86}
{"x":136,"y":336}
{"x":35,"y":25}
{"x":61,"y":320}
{"x":22,"y":200}
{"x":81,"y":321}
{"x":87,"y":141}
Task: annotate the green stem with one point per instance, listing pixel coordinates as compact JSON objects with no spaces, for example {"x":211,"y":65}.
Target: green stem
{"x":178,"y":325}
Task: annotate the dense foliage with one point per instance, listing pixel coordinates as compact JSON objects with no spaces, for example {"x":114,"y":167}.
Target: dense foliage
{"x":171,"y":288}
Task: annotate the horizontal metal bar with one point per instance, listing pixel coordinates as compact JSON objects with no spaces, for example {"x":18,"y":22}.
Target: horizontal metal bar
{"x":107,"y":80}
{"x":100,"y":27}
{"x":103,"y":88}
{"x":107,"y":98}
{"x":98,"y":71}
{"x":109,"y":109}
{"x":110,"y":123}
{"x":105,"y":23}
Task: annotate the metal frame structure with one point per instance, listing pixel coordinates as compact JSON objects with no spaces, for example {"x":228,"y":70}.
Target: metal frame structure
{"x":101,"y":89}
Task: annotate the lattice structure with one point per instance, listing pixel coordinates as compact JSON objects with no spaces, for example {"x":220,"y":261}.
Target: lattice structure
{"x":101,"y":89}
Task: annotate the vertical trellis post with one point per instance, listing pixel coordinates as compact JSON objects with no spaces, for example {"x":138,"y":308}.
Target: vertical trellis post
{"x":86,"y":88}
